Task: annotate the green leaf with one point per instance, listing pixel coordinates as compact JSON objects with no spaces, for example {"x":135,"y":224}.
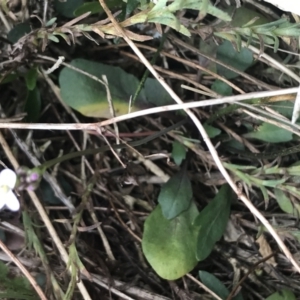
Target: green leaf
{"x":95,"y":7}
{"x":211,"y":131}
{"x":270,"y":133}
{"x":212,"y":221}
{"x":215,"y":285}
{"x":178,"y":152}
{"x":50,"y":22}
{"x":48,"y":194}
{"x":31,"y":78}
{"x":33,"y":105}
{"x":286,"y":204}
{"x":17,"y":287}
{"x":89,"y":97}
{"x":282,"y":295}
{"x":221,"y":88}
{"x":18,"y":31}
{"x":156,"y":94}
{"x":240,"y":60}
{"x":67,"y":7}
{"x":199,"y":5}
{"x":175,"y":195}
{"x":169,"y":245}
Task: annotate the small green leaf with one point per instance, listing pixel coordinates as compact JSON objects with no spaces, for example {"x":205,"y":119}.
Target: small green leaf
{"x":67,"y":7}
{"x":175,"y":195}
{"x":211,"y":131}
{"x":169,"y":245}
{"x":31,"y":78}
{"x":215,"y":285}
{"x":240,"y":60}
{"x":18,"y":31}
{"x":282,"y":295}
{"x":50,"y":22}
{"x":48,"y":194}
{"x":178,"y":152}
{"x":212,"y":221}
{"x":221,"y":88}
{"x":286,"y":204}
{"x":33,"y":105}
{"x":270,"y":133}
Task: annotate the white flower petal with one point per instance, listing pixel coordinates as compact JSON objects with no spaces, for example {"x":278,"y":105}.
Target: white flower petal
{"x":12,"y":202}
{"x":8,"y":177}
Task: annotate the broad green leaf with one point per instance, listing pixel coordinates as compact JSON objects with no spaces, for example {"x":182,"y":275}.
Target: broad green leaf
{"x":178,"y":152}
{"x":221,"y":88}
{"x":67,"y":7}
{"x":169,"y":245}
{"x":240,"y":60}
{"x":31,"y":78}
{"x":212,"y":221}
{"x":244,"y":15}
{"x":33,"y":105}
{"x":286,"y":204}
{"x":282,"y":295}
{"x":95,"y":7}
{"x":270,"y":133}
{"x":89,"y":97}
{"x":156,"y":94}
{"x":18,"y":31}
{"x":175,"y":195}
{"x":285,"y":108}
{"x":215,"y":285}
{"x":211,"y":131}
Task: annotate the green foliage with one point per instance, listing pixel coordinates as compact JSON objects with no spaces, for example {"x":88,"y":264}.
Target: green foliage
{"x":18,"y":31}
{"x":286,"y":204}
{"x":282,"y":295}
{"x":211,"y":131}
{"x":270,"y":133}
{"x":89,"y":97}
{"x":33,"y":105}
{"x":212,"y":222}
{"x":240,"y":60}
{"x":165,"y":14}
{"x":48,"y":195}
{"x":169,"y":245}
{"x":94,"y":7}
{"x":31,"y":78}
{"x":67,"y":7}
{"x":264,"y":33}
{"x":221,"y":88}
{"x":178,"y":152}
{"x":215,"y":285}
{"x":175,"y":195}
{"x":15,"y":287}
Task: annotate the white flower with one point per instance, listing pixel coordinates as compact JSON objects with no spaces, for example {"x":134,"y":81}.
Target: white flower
{"x":8,"y":199}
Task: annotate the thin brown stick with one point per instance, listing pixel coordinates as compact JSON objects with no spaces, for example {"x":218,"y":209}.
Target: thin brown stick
{"x":24,"y":271}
